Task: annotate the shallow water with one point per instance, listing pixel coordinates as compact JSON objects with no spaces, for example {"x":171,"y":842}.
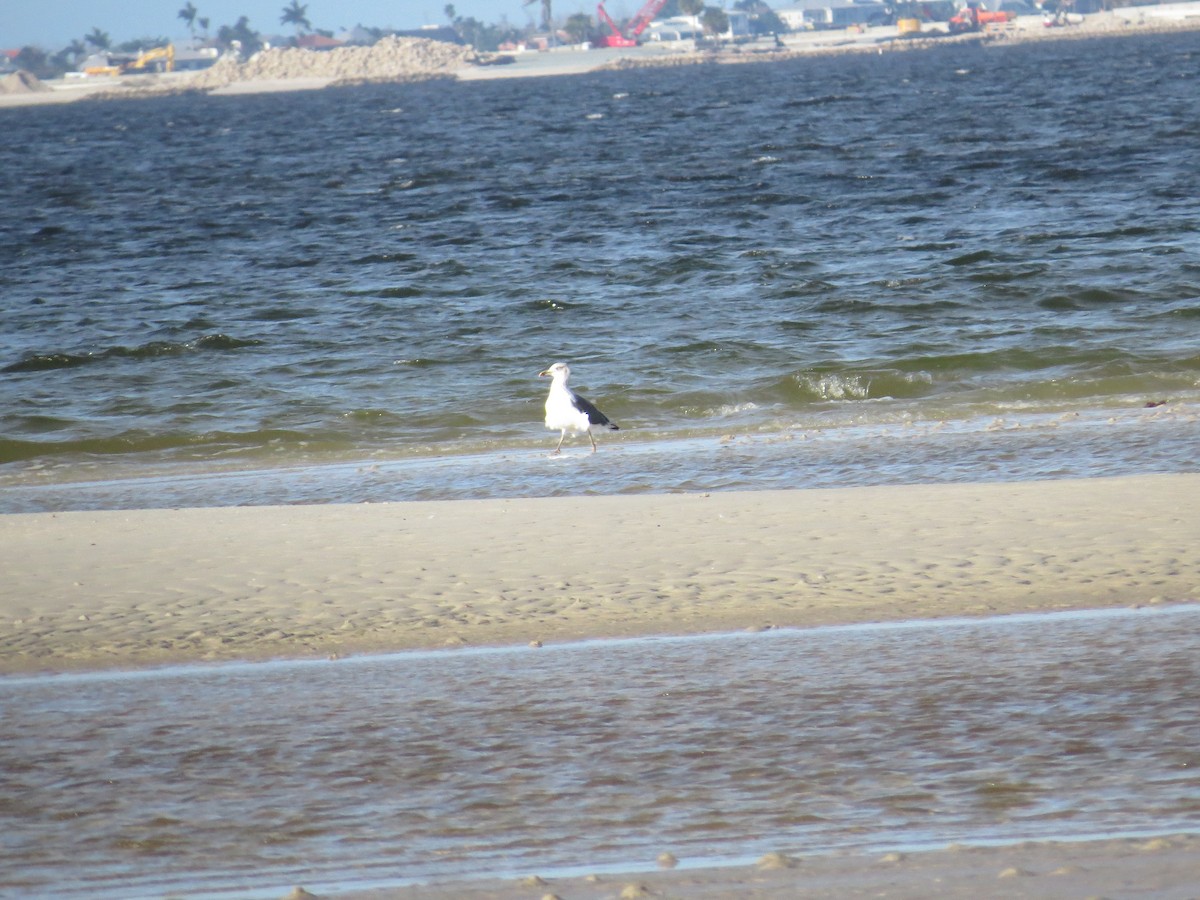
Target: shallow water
{"x":241,"y":780}
{"x":818,"y":258}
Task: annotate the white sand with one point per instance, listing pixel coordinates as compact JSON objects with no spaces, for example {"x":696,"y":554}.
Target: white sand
{"x":102,"y":589}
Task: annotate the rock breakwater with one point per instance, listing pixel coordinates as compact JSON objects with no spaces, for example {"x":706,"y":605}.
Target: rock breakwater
{"x":389,"y":59}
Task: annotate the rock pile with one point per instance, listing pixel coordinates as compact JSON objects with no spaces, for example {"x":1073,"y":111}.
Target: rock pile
{"x":390,"y":59}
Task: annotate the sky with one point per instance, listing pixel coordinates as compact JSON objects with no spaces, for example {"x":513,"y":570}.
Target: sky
{"x":52,"y":24}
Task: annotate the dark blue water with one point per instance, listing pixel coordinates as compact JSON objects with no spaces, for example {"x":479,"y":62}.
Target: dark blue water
{"x":971,"y":262}
{"x":240,"y":781}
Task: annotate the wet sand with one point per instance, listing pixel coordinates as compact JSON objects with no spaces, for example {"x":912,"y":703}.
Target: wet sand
{"x":131,"y":588}
{"x":1163,"y":868}
{"x":87,"y":590}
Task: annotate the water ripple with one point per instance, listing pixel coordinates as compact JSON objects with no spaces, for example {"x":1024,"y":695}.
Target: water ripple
{"x":692,"y":250}
{"x":423,"y":765}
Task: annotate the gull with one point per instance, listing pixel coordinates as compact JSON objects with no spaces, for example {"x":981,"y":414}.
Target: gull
{"x":566,"y":410}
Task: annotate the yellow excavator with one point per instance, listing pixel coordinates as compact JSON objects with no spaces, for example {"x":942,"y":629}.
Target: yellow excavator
{"x":163,"y":59}
{"x":156,"y":59}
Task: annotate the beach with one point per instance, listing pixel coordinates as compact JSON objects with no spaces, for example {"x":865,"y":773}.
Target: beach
{"x":1014,"y":512}
{"x":130,"y":588}
{"x":102,"y":590}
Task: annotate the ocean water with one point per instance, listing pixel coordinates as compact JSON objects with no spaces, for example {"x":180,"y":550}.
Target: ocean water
{"x":973,"y":262}
{"x":239,"y":781}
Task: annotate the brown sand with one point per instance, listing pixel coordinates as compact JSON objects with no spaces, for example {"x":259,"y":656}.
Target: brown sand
{"x":126,"y":588}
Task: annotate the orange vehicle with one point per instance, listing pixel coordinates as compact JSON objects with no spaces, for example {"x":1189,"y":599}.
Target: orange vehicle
{"x":971,"y":18}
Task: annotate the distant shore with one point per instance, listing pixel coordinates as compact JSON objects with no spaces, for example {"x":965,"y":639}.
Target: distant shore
{"x":461,"y":65}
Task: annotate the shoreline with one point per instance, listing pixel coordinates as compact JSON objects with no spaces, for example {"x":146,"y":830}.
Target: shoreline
{"x":128,"y":589}
{"x":1162,"y":866}
{"x":576,"y":61}
{"x":143,"y":588}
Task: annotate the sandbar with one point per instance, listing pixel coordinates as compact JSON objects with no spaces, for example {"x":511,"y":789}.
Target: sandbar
{"x":129,"y":588}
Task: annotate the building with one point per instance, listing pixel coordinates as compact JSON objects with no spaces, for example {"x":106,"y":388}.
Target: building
{"x":317,"y":42}
{"x":675,"y":28}
{"x":805,"y":15}
{"x":688,"y":28}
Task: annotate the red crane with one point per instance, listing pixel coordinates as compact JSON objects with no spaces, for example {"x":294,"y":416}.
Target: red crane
{"x":636,"y":25}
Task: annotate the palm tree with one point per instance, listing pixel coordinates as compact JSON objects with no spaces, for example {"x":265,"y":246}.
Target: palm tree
{"x":188,"y":14}
{"x":35,"y":61}
{"x":98,"y":39}
{"x":579,"y":27}
{"x":75,"y":51}
{"x":545,"y":12}
{"x":762,"y":18}
{"x":296,"y":15}
{"x":240,"y":37}
{"x":714,"y":20}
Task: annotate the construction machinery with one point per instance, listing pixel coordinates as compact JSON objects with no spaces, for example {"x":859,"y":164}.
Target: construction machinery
{"x":638,"y":24}
{"x":156,"y":59}
{"x":971,"y":18}
{"x":161,"y":59}
{"x":102,"y":71}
